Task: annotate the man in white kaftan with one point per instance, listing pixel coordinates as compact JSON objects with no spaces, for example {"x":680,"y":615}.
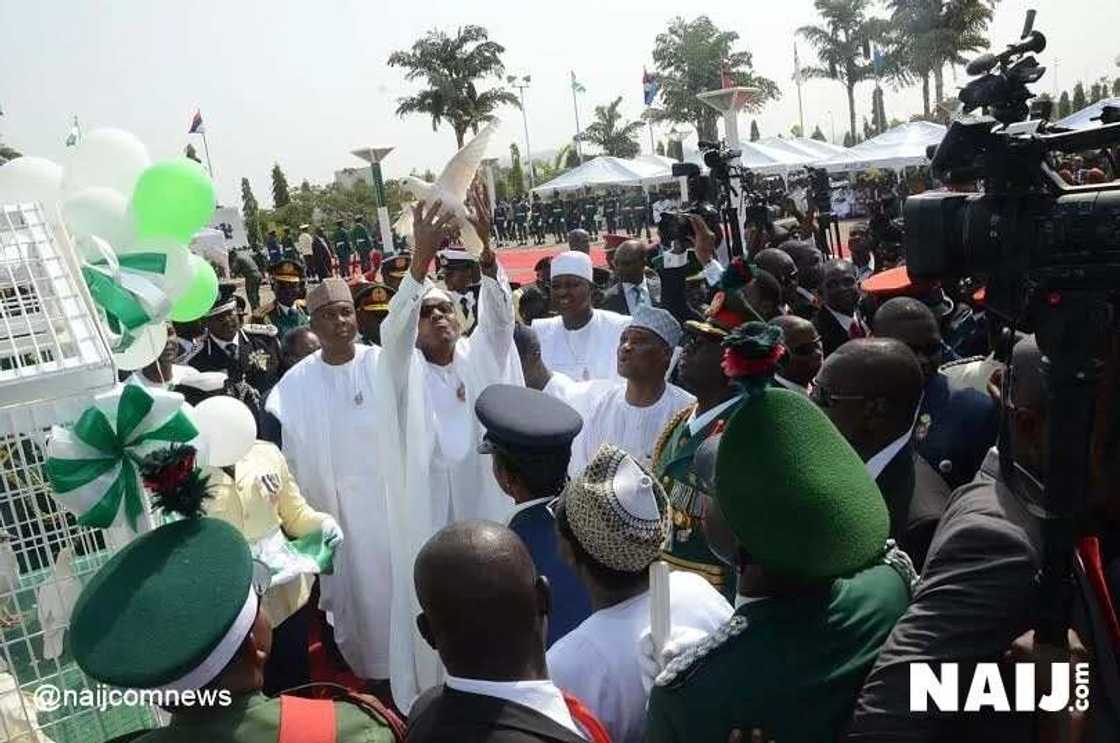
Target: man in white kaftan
{"x":433,"y":376}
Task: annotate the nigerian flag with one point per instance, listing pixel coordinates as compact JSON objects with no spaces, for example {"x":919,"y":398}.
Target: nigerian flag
{"x":575,"y":84}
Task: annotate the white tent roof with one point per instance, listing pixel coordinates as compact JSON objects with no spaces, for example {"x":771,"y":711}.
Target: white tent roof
{"x":1082,"y":119}
{"x":804,"y":146}
{"x":897,"y":148}
{"x":601,"y":172}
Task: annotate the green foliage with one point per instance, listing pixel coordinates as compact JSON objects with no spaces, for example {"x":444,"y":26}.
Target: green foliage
{"x":280,"y":193}
{"x":755,"y":136}
{"x":567,"y":158}
{"x":450,"y":67}
{"x":321,"y":205}
{"x":840,"y":41}
{"x":1116,"y":88}
{"x":878,"y":112}
{"x":8,"y":153}
{"x":689,"y":56}
{"x":1079,"y":101}
{"x":818,"y":134}
{"x":796,"y":131}
{"x":660,"y":150}
{"x":304,"y":186}
{"x":250,"y":210}
{"x":848,"y":140}
{"x":1065,"y":108}
{"x":609,"y":133}
{"x":675,"y":150}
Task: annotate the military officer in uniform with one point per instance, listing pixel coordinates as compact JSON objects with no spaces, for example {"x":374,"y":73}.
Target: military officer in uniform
{"x":359,"y":240}
{"x":537,"y":219}
{"x":371,"y":303}
{"x":393,"y":269}
{"x":242,"y":265}
{"x":180,"y":609}
{"x":286,"y":311}
{"x":458,"y":272}
{"x":521,"y":221}
{"x":717,"y":399}
{"x":530,"y":434}
{"x":820,"y":587}
{"x":288,"y":243}
{"x":249,"y":354}
{"x":342,"y":248}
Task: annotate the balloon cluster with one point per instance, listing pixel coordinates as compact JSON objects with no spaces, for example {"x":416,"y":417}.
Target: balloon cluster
{"x":131,"y":221}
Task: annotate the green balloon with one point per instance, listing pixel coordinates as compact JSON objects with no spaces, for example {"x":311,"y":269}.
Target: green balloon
{"x":173,"y":198}
{"x":200,"y":295}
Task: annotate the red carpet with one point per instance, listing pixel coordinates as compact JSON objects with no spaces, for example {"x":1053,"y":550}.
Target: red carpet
{"x":519,"y":262}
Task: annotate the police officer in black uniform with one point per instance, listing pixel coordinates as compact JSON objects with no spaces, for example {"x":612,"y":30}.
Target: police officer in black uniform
{"x":521,"y":221}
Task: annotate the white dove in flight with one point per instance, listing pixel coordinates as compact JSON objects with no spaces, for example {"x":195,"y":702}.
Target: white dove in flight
{"x":451,"y":187}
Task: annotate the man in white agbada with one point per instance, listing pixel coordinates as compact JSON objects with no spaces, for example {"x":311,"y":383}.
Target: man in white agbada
{"x":581,"y":342}
{"x":327,"y":406}
{"x":430,"y":458}
{"x":632,"y":412}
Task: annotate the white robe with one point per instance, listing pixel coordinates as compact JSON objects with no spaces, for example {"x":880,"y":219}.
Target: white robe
{"x":609,"y":419}
{"x":588,"y":353}
{"x":430,"y":456}
{"x":331,"y":433}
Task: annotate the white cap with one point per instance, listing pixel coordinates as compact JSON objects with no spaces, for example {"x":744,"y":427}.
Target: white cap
{"x":571,"y":263}
{"x":434,"y":292}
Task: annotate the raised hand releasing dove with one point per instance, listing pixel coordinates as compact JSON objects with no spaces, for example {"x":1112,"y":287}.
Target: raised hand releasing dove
{"x":451,"y":187}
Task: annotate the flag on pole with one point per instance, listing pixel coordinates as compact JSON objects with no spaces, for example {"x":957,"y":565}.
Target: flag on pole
{"x":797,"y":78}
{"x":75,"y":134}
{"x":575,"y":84}
{"x":725,"y":80}
{"x":650,"y":87}
{"x":196,"y":124}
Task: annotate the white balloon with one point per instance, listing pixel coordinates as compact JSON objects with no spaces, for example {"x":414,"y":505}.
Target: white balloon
{"x":99,"y":211}
{"x":149,"y":344}
{"x":106,"y":157}
{"x":31,"y":179}
{"x":228,"y":427}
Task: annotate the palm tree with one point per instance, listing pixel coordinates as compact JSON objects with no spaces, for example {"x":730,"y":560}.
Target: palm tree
{"x":450,"y":66}
{"x":610,"y":134}
{"x":933,"y":33}
{"x":841,"y":42}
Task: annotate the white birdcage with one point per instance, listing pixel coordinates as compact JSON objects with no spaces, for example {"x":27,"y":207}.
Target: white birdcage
{"x":53,"y":359}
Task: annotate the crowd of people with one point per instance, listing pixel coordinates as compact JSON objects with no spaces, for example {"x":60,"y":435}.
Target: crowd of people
{"x":681,"y":497}
{"x":532,"y":220}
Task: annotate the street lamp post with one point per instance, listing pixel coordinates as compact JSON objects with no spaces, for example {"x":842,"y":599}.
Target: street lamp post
{"x":374,"y":156}
{"x":521,"y":83}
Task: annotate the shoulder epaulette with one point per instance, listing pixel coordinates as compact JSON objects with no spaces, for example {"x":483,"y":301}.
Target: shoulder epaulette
{"x":667,"y":431}
{"x":678,"y":669}
{"x":254,"y":329}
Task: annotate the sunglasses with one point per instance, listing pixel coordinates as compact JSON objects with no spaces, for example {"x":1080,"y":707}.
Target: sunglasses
{"x":820,"y":395}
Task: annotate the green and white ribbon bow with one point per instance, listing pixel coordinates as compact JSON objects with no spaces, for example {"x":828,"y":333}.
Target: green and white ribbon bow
{"x":93,"y":465}
{"x":129,"y":288}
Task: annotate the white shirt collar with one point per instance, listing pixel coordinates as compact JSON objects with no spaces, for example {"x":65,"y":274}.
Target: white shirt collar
{"x":741,"y":600}
{"x":844,"y":320}
{"x":224,"y":345}
{"x":526,"y":505}
{"x":879,"y":462}
{"x":542,"y":696}
{"x":696,"y":424}
{"x":790,"y":385}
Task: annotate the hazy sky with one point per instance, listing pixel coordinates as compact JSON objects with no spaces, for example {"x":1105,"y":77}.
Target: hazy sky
{"x":302,"y":83}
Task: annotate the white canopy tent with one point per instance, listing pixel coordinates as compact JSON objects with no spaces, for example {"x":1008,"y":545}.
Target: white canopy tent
{"x":897,"y":148}
{"x":603,"y":172}
{"x":804,"y":146}
{"x":1083,"y":119}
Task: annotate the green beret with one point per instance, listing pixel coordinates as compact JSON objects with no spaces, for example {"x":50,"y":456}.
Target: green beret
{"x":797,"y":496}
{"x":169,"y":610}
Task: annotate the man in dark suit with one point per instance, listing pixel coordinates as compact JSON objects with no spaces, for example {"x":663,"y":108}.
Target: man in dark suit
{"x":839,"y":292}
{"x":630,"y":289}
{"x":979,"y":590}
{"x":871,"y":388}
{"x":484,"y":610}
{"x":955,"y":427}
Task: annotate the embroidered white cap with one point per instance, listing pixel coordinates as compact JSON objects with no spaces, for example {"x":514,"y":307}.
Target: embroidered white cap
{"x":572,"y":263}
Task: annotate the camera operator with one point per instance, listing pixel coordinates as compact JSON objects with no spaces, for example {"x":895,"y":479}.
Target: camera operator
{"x":979,"y":592}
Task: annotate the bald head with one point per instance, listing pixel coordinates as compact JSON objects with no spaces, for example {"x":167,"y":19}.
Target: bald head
{"x":630,"y":261}
{"x":483,"y":604}
{"x":908,"y":320}
{"x":805,"y":353}
{"x":871,"y":388}
{"x":778,"y":263}
{"x":297,"y":344}
{"x":579,"y":240}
